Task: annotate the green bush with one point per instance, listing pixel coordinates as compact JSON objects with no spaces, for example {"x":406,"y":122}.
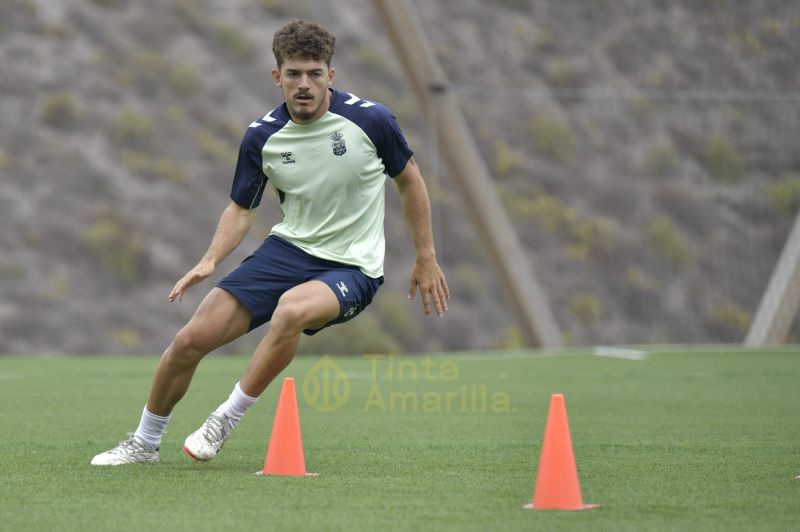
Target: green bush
{"x":60,"y":110}
{"x":148,"y":61}
{"x":191,"y":12}
{"x":506,"y":159}
{"x":184,"y":80}
{"x":127,"y":338}
{"x":732,"y":316}
{"x":470,"y":282}
{"x":274,"y":7}
{"x":160,"y":167}
{"x":131,"y":126}
{"x":551,"y":212}
{"x":147,"y":71}
{"x":774,"y":26}
{"x":583,"y":234}
{"x":175,"y":115}
{"x":362,"y":335}
{"x":544,"y":41}
{"x":586,"y":308}
{"x":722,"y":160}
{"x":510,"y":338}
{"x":216,"y":147}
{"x":752,"y":41}
{"x":235,"y":42}
{"x":553,"y":139}
{"x":588,"y":235}
{"x":668,"y":241}
{"x":640,"y":279}
{"x":561,"y":73}
{"x":58,"y":285}
{"x":115,"y":248}
{"x":6,"y":160}
{"x":784,"y":196}
{"x":394,"y":312}
{"x":30,"y":7}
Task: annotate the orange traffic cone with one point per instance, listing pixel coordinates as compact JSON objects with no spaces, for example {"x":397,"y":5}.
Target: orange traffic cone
{"x":285,"y":452}
{"x":557,"y":486}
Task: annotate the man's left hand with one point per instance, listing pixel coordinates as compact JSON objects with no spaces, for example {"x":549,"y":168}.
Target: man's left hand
{"x":428,"y":277}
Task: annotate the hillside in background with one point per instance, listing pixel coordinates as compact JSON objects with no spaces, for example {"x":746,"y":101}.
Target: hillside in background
{"x":646,"y":152}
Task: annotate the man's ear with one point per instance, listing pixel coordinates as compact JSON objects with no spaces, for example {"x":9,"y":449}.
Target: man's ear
{"x":276,"y":77}
{"x":331,"y":74}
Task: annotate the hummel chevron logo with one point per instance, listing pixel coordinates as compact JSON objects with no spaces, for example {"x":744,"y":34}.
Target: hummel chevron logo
{"x":266,"y":118}
{"x":353,"y":99}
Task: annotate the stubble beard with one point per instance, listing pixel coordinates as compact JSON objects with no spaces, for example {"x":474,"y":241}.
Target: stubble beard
{"x":298,"y":114}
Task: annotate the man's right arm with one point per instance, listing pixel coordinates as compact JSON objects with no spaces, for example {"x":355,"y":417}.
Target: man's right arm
{"x":233,"y":225}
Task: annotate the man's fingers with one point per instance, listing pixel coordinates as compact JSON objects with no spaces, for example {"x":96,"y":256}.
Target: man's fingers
{"x":412,"y":290}
{"x":443,"y":295}
{"x":177,"y":293}
{"x":437,"y":301}
{"x":426,"y":302}
{"x":433,"y":289}
{"x":446,"y":288}
{"x":198,"y":273}
{"x":178,"y":290}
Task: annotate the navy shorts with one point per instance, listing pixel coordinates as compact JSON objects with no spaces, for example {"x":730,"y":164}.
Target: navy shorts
{"x":277,"y":266}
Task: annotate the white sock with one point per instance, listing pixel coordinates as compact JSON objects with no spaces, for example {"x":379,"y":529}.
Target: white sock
{"x":237,"y":404}
{"x":151,"y":427}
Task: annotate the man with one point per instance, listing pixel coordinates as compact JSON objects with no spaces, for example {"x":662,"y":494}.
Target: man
{"x":326,"y":154}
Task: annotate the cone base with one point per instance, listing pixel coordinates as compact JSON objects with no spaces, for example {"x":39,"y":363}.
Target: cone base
{"x":276,"y":475}
{"x":282,"y":475}
{"x":530,"y":506}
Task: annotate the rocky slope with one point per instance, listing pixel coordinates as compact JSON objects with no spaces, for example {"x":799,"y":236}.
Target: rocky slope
{"x":646,"y":151}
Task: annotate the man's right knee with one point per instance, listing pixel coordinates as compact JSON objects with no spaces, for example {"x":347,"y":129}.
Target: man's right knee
{"x":219,"y":319}
{"x":189,"y":346}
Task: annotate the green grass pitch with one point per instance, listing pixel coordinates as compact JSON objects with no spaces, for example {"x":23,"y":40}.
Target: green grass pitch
{"x":705,"y":439}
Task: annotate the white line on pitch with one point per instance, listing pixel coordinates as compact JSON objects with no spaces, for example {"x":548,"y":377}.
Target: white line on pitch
{"x":619,"y":352}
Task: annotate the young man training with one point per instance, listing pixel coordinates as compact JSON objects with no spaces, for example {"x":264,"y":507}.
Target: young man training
{"x":326,"y":154}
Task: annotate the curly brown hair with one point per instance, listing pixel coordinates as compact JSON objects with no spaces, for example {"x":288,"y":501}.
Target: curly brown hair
{"x":304,"y":40}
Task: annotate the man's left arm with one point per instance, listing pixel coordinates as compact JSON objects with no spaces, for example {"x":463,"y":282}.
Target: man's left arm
{"x":426,"y":275}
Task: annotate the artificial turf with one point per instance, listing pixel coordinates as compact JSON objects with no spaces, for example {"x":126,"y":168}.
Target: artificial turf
{"x":685,"y":439}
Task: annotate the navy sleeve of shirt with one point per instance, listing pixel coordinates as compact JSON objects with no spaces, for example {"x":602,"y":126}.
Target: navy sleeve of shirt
{"x":381,"y":127}
{"x":392,"y":146}
{"x":249,"y":179}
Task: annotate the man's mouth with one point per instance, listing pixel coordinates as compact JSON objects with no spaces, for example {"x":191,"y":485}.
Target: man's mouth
{"x":304,"y":97}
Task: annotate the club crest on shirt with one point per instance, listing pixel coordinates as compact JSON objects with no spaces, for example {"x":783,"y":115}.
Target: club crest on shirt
{"x":338,"y":145}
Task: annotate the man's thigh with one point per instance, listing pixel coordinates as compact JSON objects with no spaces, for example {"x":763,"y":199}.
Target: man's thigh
{"x":312,"y":303}
{"x":219,"y":319}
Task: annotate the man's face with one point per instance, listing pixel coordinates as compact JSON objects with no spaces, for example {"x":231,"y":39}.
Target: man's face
{"x":305,"y":85}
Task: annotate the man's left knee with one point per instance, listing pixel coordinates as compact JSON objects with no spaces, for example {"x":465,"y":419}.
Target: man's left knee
{"x":292,"y":314}
{"x":296,"y":314}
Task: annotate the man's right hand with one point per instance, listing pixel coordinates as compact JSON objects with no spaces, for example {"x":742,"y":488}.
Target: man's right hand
{"x":202,"y":271}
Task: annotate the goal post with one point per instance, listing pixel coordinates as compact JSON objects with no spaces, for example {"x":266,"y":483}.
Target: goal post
{"x":780,"y":300}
